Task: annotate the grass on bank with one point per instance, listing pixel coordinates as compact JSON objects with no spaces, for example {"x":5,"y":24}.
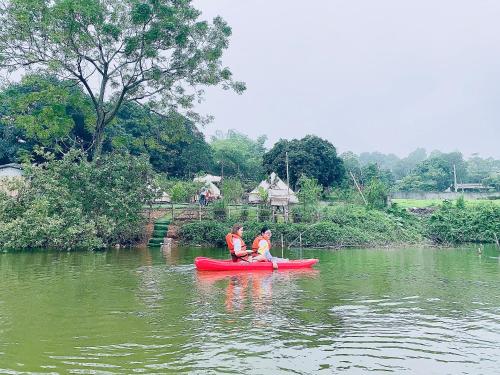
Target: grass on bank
{"x":423,"y":203}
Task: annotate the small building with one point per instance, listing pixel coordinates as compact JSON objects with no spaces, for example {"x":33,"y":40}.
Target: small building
{"x":469,"y":187}
{"x":278,"y":193}
{"x":10,"y":173}
{"x":472,"y":187}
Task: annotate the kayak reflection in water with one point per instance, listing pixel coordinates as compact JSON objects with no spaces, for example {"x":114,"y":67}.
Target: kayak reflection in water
{"x":261,"y":248}
{"x":254,"y":289}
{"x":239,"y":285}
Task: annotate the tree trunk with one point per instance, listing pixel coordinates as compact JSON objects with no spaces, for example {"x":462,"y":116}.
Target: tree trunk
{"x":98,"y":140}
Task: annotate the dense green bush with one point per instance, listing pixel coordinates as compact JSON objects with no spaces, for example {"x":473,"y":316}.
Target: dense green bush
{"x":232,"y":190}
{"x":464,"y":223}
{"x":244,"y":214}
{"x":264,"y":213}
{"x":376,"y":194}
{"x":74,"y":203}
{"x":219,"y":210}
{"x":341,"y":227}
{"x":309,"y":195}
{"x":180,"y":191}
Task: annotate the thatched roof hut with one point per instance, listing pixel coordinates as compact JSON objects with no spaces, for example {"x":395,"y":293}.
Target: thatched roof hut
{"x":208,"y":178}
{"x":278,"y":192}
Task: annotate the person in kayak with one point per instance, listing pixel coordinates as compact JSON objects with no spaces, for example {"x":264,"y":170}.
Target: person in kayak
{"x":261,"y":247}
{"x":236,"y":245}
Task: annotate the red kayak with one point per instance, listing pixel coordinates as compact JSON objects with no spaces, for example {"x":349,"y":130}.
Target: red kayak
{"x":209,"y":264}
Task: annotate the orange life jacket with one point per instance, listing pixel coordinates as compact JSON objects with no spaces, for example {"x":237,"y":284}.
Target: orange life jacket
{"x":255,"y":245}
{"x":230,"y":245}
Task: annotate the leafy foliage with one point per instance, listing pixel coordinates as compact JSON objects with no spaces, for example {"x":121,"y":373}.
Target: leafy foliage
{"x":42,"y":111}
{"x":180,"y":191}
{"x":376,"y":194}
{"x":73,"y":203}
{"x":311,"y":155}
{"x":462,"y":223}
{"x":238,"y":155}
{"x":344,"y":226}
{"x":156,"y":53}
{"x":232,"y":190}
{"x":174,"y":145}
{"x":309,"y":195}
{"x":435,"y":173}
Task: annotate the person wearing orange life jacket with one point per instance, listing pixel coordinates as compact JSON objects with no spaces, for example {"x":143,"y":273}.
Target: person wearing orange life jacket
{"x":237,"y":246}
{"x":262,"y":246}
{"x":264,"y":235}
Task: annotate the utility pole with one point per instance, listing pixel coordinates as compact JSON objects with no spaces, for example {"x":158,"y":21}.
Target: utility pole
{"x":455,"y":177}
{"x":288,"y":187}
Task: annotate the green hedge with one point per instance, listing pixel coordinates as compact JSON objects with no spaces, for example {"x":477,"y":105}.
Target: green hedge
{"x":351,"y":226}
{"x":346,"y":226}
{"x":73,"y":203}
{"x":464,"y":223}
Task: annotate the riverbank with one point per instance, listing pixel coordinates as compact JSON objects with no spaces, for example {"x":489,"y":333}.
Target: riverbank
{"x":356,"y":226}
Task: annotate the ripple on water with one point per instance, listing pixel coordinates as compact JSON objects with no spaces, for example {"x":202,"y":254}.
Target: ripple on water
{"x":362,"y":311}
{"x":411,"y":333}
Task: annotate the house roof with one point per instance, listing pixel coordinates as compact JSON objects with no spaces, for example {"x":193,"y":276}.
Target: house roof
{"x":207,"y":178}
{"x":279,"y":193}
{"x":214,"y":190}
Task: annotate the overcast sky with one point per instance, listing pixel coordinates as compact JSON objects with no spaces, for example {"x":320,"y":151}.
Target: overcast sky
{"x":384,"y":75}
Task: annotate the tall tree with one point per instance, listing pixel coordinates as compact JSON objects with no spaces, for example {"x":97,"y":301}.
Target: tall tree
{"x":238,"y":154}
{"x":155,"y":53}
{"x":482,"y":170}
{"x":174,"y":145}
{"x":310,"y":156}
{"x":405,"y":165}
{"x":43,"y":111}
{"x":434,"y":173}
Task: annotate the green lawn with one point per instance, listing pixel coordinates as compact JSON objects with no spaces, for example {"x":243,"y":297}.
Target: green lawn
{"x":407,"y":203}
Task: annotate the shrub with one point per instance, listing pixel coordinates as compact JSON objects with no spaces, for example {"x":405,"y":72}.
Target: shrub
{"x":180,"y":191}
{"x":456,"y":224}
{"x":376,"y":194}
{"x":219,"y":210}
{"x":74,"y":203}
{"x":343,"y":226}
{"x":244,"y":214}
{"x":232,"y":190}
{"x":264,"y":213}
{"x":309,"y":195}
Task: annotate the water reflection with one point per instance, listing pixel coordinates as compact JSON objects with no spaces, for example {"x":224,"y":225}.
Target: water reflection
{"x":255,"y":288}
{"x":149,"y":311}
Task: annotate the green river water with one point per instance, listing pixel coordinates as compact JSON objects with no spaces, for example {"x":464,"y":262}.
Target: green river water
{"x":415,"y":311}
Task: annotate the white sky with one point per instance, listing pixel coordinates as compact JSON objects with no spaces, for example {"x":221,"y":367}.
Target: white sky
{"x":385,"y":75}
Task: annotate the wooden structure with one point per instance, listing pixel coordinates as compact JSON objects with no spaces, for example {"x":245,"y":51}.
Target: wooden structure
{"x":278,"y":193}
